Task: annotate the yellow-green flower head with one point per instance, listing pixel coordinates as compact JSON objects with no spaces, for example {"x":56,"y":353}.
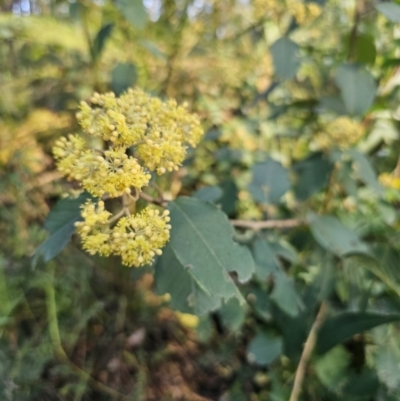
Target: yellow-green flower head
{"x":111,"y":172}
{"x":342,"y":132}
{"x":137,"y":239}
{"x":158,"y":131}
{"x":94,"y":229}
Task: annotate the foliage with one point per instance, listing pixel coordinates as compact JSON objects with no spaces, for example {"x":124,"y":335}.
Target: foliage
{"x":280,"y":277}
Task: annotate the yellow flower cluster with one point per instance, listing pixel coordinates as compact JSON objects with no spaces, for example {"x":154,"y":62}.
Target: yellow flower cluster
{"x":156,"y":134}
{"x":158,"y":130}
{"x":389,"y":180}
{"x":303,"y":12}
{"x":155,"y":131}
{"x":341,"y":132}
{"x":111,"y":171}
{"x":137,"y":238}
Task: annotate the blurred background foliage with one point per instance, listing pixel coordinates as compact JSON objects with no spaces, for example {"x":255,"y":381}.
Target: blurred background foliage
{"x":299,"y":100}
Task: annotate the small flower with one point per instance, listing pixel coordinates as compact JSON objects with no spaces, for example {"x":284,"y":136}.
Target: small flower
{"x":137,"y":239}
{"x":94,"y":230}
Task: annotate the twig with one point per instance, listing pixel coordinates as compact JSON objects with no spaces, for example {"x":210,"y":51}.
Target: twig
{"x":261,"y":225}
{"x":156,"y":201}
{"x":354,"y":30}
{"x":306,"y":354}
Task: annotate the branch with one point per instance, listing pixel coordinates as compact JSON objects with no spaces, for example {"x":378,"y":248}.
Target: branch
{"x":254,"y":225}
{"x":156,"y":201}
{"x":306,"y":354}
{"x":261,"y":225}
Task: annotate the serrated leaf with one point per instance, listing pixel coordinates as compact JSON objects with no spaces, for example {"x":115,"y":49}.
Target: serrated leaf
{"x":357,"y":87}
{"x":60,"y":223}
{"x":134,"y":11}
{"x":269,"y":182}
{"x":390,"y":10}
{"x":264,"y":349}
{"x":285,"y":58}
{"x":332,"y":235}
{"x":343,"y":326}
{"x":188,"y":295}
{"x":100,"y":40}
{"x":201,"y":246}
{"x":313,"y":175}
{"x":123,"y":76}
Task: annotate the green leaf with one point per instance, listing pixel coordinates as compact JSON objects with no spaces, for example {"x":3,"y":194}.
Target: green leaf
{"x":202,"y":245}
{"x":364,"y":50}
{"x":364,"y":170}
{"x":387,"y":362}
{"x":229,"y":197}
{"x":357,"y":87}
{"x":261,"y":303}
{"x":123,"y":76}
{"x":134,"y":11}
{"x":60,"y":223}
{"x":390,"y":10}
{"x":232,"y":314}
{"x":285,"y":58}
{"x":332,"y":235}
{"x":332,"y":103}
{"x":54,"y":244}
{"x":188,"y":295}
{"x":269,"y":182}
{"x":65,"y":211}
{"x":100,"y":40}
{"x":204,"y":329}
{"x":313,"y":175}
{"x":284,"y":294}
{"x":209,"y":194}
{"x":264,"y":349}
{"x":343,"y":326}
{"x":362,"y":386}
{"x":265,"y":259}
{"x":331,"y":368}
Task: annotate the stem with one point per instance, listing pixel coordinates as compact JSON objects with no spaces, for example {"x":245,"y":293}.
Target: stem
{"x":55,"y":338}
{"x":306,"y":354}
{"x":121,"y":213}
{"x":353,"y":33}
{"x":149,"y":198}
